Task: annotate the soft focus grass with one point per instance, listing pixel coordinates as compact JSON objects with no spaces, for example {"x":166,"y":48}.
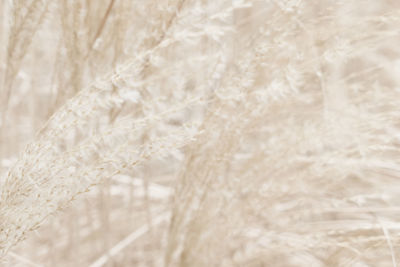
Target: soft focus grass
{"x":199,"y":133}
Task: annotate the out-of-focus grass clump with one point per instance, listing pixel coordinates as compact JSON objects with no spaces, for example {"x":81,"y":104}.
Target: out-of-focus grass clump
{"x":199,"y":133}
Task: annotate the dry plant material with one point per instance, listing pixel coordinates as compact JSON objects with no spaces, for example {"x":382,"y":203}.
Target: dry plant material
{"x":199,"y":133}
